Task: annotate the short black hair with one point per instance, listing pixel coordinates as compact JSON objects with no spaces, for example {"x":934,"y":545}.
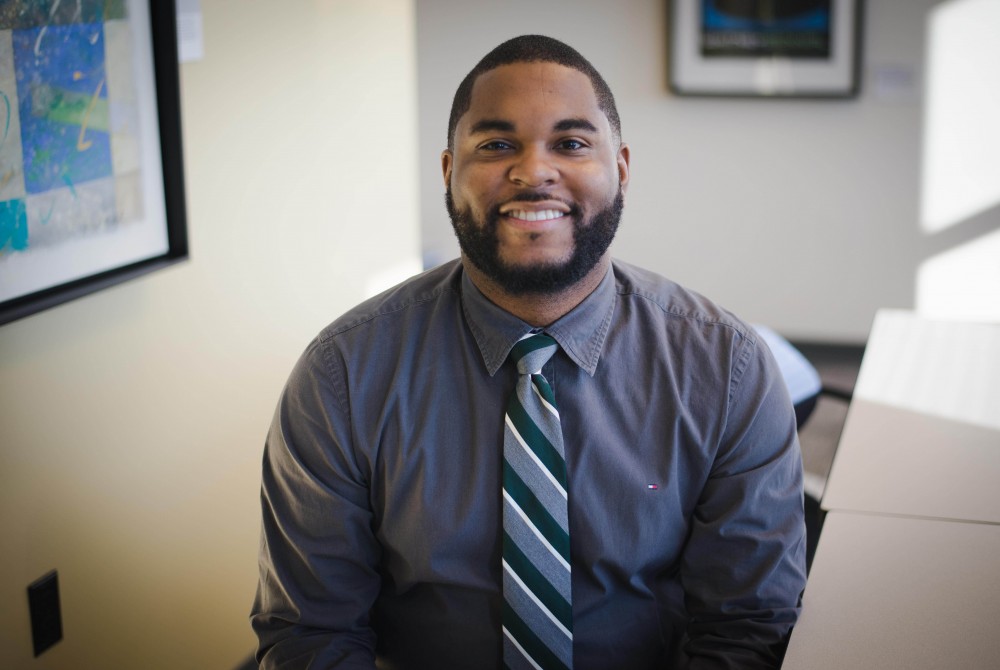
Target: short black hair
{"x":533,"y":49}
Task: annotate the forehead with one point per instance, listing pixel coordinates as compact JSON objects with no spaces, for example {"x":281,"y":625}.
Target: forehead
{"x":533,"y":91}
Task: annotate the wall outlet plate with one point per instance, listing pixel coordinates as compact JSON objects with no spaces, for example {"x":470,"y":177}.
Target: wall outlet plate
{"x":46,"y":617}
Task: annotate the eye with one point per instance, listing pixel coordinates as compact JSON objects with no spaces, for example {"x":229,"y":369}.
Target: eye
{"x":496,"y":145}
{"x":571,"y":145}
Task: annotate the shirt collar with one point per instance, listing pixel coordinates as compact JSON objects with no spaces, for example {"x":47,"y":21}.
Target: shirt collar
{"x":580,"y":333}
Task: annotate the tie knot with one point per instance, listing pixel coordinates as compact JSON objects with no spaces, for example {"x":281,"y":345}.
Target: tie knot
{"x":532,"y":352}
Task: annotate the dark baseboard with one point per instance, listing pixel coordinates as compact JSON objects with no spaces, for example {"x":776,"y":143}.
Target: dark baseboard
{"x":824,"y":353}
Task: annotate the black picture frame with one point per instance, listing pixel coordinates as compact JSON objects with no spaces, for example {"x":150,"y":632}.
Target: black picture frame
{"x":764,"y":60}
{"x":150,"y":29}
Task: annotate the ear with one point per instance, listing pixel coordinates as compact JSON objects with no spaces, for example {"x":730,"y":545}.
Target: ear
{"x":623,"y":166}
{"x":447,"y":160}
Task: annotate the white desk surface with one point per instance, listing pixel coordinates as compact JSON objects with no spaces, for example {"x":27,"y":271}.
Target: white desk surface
{"x":949,"y":369}
{"x":897,"y":592}
{"x":922,"y":435}
{"x":898,"y":461}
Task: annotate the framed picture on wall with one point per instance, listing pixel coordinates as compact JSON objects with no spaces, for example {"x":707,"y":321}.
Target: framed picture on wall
{"x":91,"y":180}
{"x":776,"y":48}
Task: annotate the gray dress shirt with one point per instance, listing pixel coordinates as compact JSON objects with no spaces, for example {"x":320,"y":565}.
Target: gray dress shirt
{"x":382,"y":473}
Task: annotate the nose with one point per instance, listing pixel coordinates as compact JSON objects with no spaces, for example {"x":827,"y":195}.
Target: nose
{"x":533,"y":167}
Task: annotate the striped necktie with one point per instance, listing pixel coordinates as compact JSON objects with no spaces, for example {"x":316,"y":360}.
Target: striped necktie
{"x":537,"y":612}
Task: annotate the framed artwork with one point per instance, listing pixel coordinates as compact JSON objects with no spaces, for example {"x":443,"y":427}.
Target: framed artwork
{"x":777,"y":48}
{"x":91,"y":179}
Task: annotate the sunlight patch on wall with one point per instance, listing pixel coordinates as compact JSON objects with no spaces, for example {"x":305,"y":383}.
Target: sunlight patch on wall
{"x":961,"y":170}
{"x":961,"y":161}
{"x":963,"y":282}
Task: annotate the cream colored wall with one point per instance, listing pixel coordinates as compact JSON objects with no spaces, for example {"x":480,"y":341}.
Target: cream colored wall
{"x":132,"y":421}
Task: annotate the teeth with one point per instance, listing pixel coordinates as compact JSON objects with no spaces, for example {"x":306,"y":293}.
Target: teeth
{"x":543,"y":215}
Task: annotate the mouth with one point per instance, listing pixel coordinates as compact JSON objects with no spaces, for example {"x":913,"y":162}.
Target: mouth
{"x":534,"y":211}
{"x":532,"y":215}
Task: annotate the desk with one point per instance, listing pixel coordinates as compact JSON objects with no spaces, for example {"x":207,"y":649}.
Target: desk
{"x":922,"y":435}
{"x":896,"y":592}
{"x":907,"y":571}
{"x":897,"y":461}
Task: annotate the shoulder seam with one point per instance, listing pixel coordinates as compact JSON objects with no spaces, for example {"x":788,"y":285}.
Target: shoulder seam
{"x":748,"y":346}
{"x":329,"y":333}
{"x":686,"y":315}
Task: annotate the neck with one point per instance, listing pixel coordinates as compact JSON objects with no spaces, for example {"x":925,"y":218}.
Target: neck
{"x":538,"y":309}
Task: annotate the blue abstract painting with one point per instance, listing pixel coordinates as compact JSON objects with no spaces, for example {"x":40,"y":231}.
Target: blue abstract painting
{"x":63,"y":105}
{"x":81,"y":177}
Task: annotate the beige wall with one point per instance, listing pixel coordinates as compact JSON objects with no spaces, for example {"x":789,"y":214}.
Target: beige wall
{"x":132,"y":421}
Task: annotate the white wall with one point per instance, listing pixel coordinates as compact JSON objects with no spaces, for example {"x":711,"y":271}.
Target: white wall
{"x":132,"y":421}
{"x":800,"y":214}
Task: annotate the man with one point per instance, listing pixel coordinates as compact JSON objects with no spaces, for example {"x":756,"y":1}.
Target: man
{"x":411,"y":520}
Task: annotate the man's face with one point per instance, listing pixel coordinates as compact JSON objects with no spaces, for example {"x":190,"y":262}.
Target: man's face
{"x":535,"y":181}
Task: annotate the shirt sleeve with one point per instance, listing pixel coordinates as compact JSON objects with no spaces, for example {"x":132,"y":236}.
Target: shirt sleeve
{"x":318,"y":557}
{"x":743,"y":569}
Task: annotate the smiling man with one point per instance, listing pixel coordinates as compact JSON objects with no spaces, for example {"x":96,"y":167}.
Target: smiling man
{"x":534,"y":456}
{"x":535,"y":177}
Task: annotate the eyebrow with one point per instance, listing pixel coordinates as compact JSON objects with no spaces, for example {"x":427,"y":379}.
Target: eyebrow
{"x":491,"y":125}
{"x":500,"y":125}
{"x":575,"y":124}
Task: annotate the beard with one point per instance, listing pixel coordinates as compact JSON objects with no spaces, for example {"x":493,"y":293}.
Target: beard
{"x":480,"y":243}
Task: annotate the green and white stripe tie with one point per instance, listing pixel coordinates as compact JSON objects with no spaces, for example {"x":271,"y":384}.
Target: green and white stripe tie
{"x":537,"y":613}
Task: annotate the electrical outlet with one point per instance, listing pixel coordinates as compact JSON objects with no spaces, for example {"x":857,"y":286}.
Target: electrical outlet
{"x":46,"y":618}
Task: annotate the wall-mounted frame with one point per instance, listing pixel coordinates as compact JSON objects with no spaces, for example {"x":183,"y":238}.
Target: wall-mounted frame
{"x":765,"y":48}
{"x":91,"y":178}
